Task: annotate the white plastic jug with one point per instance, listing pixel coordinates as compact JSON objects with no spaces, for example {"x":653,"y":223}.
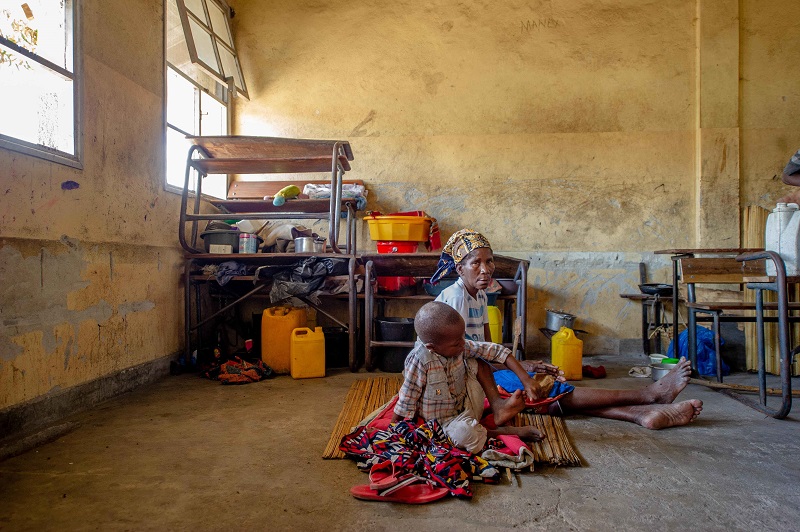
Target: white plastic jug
{"x":783,"y":237}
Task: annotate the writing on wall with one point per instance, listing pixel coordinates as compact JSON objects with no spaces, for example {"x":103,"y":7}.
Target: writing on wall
{"x":547,"y":23}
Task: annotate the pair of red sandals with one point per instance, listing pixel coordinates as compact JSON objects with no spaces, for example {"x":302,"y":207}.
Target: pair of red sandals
{"x":389,"y":485}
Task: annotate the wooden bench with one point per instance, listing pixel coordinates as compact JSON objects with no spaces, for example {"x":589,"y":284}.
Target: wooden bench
{"x":724,"y":271}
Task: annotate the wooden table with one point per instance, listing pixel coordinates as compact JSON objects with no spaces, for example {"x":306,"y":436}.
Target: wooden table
{"x":676,"y":254}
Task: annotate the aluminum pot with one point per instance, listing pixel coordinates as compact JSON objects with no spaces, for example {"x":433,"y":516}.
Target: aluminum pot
{"x":658,"y":371}
{"x":309,"y":244}
{"x":557,"y":319}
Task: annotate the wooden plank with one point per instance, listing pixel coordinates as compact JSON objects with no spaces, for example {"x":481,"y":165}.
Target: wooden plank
{"x":740,"y":387}
{"x":424,"y":264}
{"x":735,"y":305}
{"x":719,"y":270}
{"x":647,"y":297}
{"x":301,"y":206}
{"x":696,"y":251}
{"x":258,"y":190}
{"x":237,"y":146}
{"x":267,"y":165}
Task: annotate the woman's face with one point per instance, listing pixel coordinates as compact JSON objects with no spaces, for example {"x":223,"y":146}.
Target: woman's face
{"x":476,"y":270}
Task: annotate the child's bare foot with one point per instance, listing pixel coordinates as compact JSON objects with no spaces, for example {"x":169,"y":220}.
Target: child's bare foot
{"x":528,"y":433}
{"x":666,"y":389}
{"x":525,"y":433}
{"x":505,"y":410}
{"x":662,"y":416}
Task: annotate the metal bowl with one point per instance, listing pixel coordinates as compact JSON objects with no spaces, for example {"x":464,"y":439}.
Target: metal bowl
{"x":657,"y":371}
{"x":656,"y":289}
{"x":309,"y":244}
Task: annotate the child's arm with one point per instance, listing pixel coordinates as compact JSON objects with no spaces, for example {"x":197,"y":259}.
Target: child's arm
{"x":496,"y":352}
{"x":532,"y":390}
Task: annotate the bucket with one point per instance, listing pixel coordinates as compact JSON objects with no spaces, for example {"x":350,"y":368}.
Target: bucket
{"x":567,"y":353}
{"x":404,"y":228}
{"x":392,"y":359}
{"x":397,"y":286}
{"x":495,"y":325}
{"x":307,"y":353}
{"x":277,"y":324}
{"x":337,"y":347}
{"x":395,"y":329}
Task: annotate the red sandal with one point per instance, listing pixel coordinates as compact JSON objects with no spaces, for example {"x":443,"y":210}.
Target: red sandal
{"x":410,"y":490}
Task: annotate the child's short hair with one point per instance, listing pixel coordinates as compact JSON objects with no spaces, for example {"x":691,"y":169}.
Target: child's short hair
{"x":433,"y":318}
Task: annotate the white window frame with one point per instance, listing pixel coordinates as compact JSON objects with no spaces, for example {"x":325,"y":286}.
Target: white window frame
{"x":234,"y":80}
{"x":73,"y":33}
{"x":199,"y":88}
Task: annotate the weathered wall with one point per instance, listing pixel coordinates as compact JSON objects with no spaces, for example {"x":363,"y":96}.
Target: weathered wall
{"x":92,"y":275}
{"x":582,"y":135}
{"x":770,"y":88}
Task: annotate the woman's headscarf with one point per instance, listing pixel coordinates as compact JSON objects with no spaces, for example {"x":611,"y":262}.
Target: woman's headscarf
{"x":457,"y":247}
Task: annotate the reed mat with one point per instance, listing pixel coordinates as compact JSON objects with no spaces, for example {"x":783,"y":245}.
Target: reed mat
{"x":365,"y":396}
{"x":555,"y":448}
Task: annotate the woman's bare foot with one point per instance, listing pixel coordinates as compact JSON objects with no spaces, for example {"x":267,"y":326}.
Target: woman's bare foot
{"x":662,"y":416}
{"x":505,"y":410}
{"x":666,"y":389}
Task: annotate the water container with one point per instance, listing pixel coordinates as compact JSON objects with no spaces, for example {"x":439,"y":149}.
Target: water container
{"x":277,"y":324}
{"x":783,"y":236}
{"x":495,"y":325}
{"x":567,"y":353}
{"x":307,"y":356}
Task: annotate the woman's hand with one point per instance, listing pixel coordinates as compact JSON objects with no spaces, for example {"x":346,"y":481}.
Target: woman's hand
{"x":537,"y":366}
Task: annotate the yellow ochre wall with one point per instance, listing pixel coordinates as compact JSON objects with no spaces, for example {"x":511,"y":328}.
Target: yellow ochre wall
{"x":91,"y":276}
{"x":580,"y":135}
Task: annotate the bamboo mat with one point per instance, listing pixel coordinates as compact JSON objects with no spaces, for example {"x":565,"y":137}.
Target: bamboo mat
{"x":754,"y":223}
{"x":367,"y":395}
{"x":556,"y":448}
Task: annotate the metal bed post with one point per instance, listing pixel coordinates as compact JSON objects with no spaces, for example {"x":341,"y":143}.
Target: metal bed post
{"x":779,"y":286}
{"x":369,"y":308}
{"x":521,"y":278}
{"x":353,"y":311}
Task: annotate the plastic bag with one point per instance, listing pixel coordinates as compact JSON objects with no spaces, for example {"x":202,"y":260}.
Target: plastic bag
{"x":706,"y":354}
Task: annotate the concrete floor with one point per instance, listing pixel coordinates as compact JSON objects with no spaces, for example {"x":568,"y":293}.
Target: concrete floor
{"x":191,"y":454}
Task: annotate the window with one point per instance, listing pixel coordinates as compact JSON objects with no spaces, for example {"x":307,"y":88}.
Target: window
{"x":203,"y":73}
{"x":191,"y":111}
{"x":39,"y":103}
{"x":208,"y":35}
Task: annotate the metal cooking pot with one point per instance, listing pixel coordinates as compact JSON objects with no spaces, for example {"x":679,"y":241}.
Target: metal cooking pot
{"x":557,"y":319}
{"x":309,"y":244}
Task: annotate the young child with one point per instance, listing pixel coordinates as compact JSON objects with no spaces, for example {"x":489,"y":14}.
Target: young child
{"x":441,"y":382}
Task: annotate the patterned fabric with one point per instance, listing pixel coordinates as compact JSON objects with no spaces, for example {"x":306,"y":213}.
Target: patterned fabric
{"x":238,"y":371}
{"x":434,"y":386}
{"x":422,"y":449}
{"x":457,"y":247}
{"x":474,"y":310}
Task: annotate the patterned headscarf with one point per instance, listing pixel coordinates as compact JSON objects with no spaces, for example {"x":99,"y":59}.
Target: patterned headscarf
{"x":457,"y":247}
